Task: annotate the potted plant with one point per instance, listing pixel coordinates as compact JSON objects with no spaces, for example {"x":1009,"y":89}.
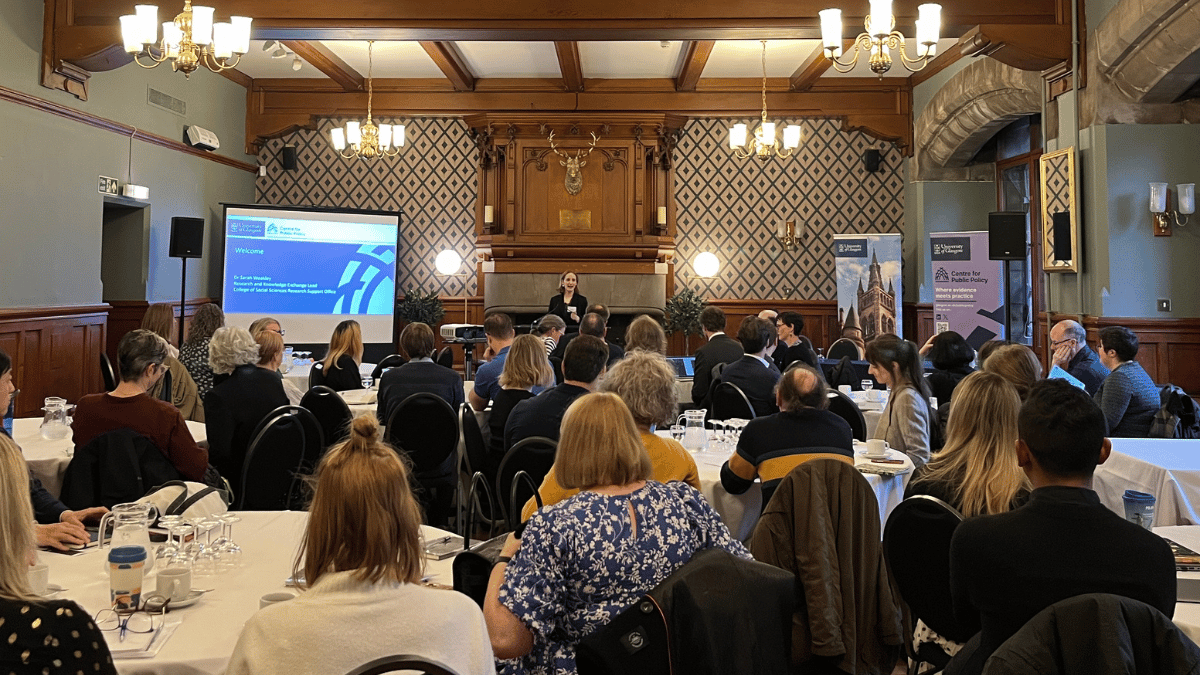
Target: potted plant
{"x":683,"y":315}
{"x":417,"y":305}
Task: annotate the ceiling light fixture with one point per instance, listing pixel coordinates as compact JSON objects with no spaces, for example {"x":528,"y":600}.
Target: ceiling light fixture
{"x":764,"y":144}
{"x":367,"y":140}
{"x":189,"y":41}
{"x":880,"y":37}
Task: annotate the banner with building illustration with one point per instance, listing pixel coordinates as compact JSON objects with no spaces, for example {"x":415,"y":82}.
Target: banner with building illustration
{"x":968,"y":288}
{"x":868,"y":289}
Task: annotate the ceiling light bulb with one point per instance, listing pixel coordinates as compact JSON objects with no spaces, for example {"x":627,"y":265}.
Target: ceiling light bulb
{"x":279,"y":53}
{"x":664,"y":44}
{"x":296,"y":63}
{"x":268,"y":45}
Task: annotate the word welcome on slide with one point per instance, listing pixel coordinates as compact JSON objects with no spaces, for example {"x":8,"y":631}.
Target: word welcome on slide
{"x":289,"y":266}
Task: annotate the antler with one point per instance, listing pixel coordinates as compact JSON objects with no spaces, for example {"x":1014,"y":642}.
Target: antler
{"x":578,"y":153}
{"x":554,"y":148}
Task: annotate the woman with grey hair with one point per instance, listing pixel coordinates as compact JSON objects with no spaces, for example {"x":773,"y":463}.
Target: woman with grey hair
{"x":235,"y":406}
{"x":550,"y":329}
{"x":140,"y":357}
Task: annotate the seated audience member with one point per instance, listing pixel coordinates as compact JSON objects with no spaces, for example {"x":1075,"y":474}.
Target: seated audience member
{"x":1006,"y":568}
{"x":793,"y":346}
{"x":1068,"y":339}
{"x":597,"y":328}
{"x":582,"y":561}
{"x":194,"y":353}
{"x":803,"y":429}
{"x":755,"y":373}
{"x":769,"y":315}
{"x":906,"y":421}
{"x":498,"y":328}
{"x":987,"y":349}
{"x":550,"y":329}
{"x":951,"y":357}
{"x":41,"y":635}
{"x":362,"y":560}
{"x":140,"y":357}
{"x":266,"y":337}
{"x":57,"y":526}
{"x":541,"y":415}
{"x":267,"y":323}
{"x":419,"y":375}
{"x":1017,"y":364}
{"x":237,"y":405}
{"x":525,"y":368}
{"x":1128,"y":397}
{"x":718,"y":348}
{"x":596,"y":325}
{"x":646,"y":334}
{"x":646,"y":384}
{"x":160,"y":320}
{"x":343,"y":358}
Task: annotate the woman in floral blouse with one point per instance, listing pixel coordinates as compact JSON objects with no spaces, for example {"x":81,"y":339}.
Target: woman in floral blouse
{"x":582,"y":561}
{"x":194,"y":355}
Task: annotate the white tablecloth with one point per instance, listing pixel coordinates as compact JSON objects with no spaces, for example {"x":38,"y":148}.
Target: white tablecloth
{"x":1166,"y":468}
{"x":298,"y":375}
{"x":49,"y":459}
{"x":210,"y":628}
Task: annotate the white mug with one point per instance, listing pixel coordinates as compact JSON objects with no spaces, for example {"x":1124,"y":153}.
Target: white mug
{"x":174,"y":583}
{"x":39,"y":578}
{"x":272,"y":598}
{"x":844,"y":388}
{"x":877,"y":448}
{"x":875,"y":395}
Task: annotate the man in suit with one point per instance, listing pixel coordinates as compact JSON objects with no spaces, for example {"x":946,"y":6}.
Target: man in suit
{"x":419,"y":375}
{"x":541,"y":415}
{"x":1006,"y":568}
{"x":755,"y":373}
{"x":719,"y":348}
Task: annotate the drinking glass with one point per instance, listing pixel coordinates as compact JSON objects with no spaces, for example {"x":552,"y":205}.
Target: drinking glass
{"x":230,"y":547}
{"x":367,"y":381}
{"x":677,"y":432}
{"x":169,"y":549}
{"x":719,"y":427}
{"x":867,"y":384}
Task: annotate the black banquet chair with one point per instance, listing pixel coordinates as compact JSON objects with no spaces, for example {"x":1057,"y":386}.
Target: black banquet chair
{"x":107,"y":374}
{"x":390,"y":361}
{"x":331,"y":412}
{"x":425,"y":428}
{"x":403,"y":662}
{"x":844,"y":407}
{"x":534,"y":456}
{"x":445,"y":358}
{"x":271,"y":472}
{"x":729,"y":401}
{"x":314,"y":434}
{"x":316,"y":374}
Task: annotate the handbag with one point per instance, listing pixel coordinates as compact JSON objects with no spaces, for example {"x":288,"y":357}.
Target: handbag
{"x":473,"y":566}
{"x":187,"y":499}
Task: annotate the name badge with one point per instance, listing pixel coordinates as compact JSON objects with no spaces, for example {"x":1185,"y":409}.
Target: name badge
{"x":571,"y":310}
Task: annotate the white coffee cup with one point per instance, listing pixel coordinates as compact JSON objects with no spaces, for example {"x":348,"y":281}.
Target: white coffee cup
{"x":174,"y":583}
{"x":877,"y":448}
{"x":272,"y":598}
{"x":875,"y":395}
{"x":844,"y":388}
{"x":39,"y":578}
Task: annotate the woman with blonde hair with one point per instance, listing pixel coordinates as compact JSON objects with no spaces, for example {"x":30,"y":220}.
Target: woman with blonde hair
{"x":194,"y":353}
{"x":1017,"y":364}
{"x":362,"y":561}
{"x":646,"y":384}
{"x":582,"y":561}
{"x":160,"y":320}
{"x":343,"y":358}
{"x":40,"y":635}
{"x":646,"y":334}
{"x":526,"y":368}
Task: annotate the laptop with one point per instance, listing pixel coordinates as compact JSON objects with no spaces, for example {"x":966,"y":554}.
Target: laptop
{"x":685,"y":366}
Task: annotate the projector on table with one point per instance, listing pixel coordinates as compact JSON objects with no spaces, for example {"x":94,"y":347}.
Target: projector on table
{"x":462,"y":331}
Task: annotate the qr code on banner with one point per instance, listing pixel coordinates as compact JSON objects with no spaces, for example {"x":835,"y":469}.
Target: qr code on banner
{"x":941,"y":326}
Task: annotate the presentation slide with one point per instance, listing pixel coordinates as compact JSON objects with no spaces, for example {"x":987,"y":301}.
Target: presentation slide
{"x":311,"y":270}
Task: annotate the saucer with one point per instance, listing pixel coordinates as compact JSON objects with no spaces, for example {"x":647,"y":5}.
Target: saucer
{"x":52,"y":589}
{"x":190,"y":600}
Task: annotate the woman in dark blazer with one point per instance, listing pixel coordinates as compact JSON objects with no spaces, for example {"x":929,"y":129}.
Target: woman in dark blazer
{"x":568,"y":305}
{"x":343,"y":358}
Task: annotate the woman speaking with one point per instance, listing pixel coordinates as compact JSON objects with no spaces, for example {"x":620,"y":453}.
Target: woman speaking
{"x":568,"y":305}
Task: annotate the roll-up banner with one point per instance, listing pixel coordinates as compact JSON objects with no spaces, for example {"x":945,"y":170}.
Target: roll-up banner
{"x":968,"y":288}
{"x":868,"y":285}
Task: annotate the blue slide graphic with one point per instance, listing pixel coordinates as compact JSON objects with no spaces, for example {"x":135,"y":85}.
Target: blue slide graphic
{"x":306,"y":277}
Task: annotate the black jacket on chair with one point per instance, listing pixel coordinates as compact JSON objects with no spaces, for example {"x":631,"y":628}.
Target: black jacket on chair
{"x":115,"y":467}
{"x":233,"y":410}
{"x":720,"y":349}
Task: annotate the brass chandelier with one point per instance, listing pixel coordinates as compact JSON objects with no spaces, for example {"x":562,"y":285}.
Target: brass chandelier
{"x":366,"y":140}
{"x":189,"y":41}
{"x":881,"y":37}
{"x":763,"y":144}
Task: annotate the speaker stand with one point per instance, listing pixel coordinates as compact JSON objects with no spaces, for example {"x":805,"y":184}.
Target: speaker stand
{"x":1008,"y":300}
{"x":183,"y":297}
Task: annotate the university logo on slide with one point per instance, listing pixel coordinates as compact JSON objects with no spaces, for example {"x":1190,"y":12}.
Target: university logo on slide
{"x":368,"y":284}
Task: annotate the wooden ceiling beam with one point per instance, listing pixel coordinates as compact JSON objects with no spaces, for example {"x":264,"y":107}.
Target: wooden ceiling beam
{"x":445,"y":55}
{"x":569,"y":65}
{"x":694,"y":60}
{"x":324,"y":60}
{"x":812,"y":68}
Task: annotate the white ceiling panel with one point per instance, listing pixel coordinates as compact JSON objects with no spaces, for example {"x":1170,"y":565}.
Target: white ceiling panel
{"x":631,"y":59}
{"x":392,"y":59}
{"x":257,"y":63}
{"x":510,"y":59}
{"x":863,"y":67}
{"x":743,"y":58}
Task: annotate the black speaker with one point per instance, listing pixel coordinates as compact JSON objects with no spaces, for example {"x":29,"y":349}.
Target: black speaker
{"x":1061,"y":235}
{"x":187,"y":237}
{"x":871,"y":160}
{"x":289,"y":158}
{"x":1006,"y":235}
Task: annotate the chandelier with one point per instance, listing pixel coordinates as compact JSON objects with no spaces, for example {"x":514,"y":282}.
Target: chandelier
{"x":367,"y":140}
{"x":191,"y":40}
{"x":880,"y":38}
{"x":764,"y":144}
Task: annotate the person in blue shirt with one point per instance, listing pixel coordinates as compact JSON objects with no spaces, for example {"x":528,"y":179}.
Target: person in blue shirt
{"x":498,"y":328}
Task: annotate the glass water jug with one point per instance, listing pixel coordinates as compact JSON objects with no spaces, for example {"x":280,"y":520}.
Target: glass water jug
{"x":695,"y":437}
{"x":130,"y":527}
{"x":56,"y":419}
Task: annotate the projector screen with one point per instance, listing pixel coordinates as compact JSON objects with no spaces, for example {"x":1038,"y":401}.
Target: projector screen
{"x":311,"y":269}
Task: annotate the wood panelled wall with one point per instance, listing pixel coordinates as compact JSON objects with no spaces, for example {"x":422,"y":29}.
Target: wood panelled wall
{"x":126,"y":315}
{"x":55,"y":352}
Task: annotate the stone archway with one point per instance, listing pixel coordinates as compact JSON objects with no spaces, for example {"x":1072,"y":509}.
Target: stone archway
{"x":1150,"y":49}
{"x":966,"y":112}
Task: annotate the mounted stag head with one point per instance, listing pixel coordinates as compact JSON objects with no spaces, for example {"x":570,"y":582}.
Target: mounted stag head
{"x":574,"y":180}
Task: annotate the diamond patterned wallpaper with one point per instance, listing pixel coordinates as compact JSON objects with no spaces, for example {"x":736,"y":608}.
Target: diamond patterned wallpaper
{"x":432,"y":183}
{"x":731,"y":206}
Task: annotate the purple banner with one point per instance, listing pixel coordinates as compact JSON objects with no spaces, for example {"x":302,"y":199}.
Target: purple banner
{"x":968,"y":289}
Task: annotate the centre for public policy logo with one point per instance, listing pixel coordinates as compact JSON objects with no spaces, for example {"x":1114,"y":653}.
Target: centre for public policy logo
{"x":941,"y":275}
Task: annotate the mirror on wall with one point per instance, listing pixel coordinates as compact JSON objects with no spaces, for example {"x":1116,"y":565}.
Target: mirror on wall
{"x":1060,"y":212}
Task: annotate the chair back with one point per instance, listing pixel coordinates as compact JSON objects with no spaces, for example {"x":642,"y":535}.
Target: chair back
{"x":476,"y":449}
{"x":406,"y":662}
{"x":916,"y":545}
{"x":844,"y":347}
{"x":107,"y":374}
{"x":556,"y":366}
{"x":314,"y":434}
{"x":445,"y":357}
{"x":164,"y":391}
{"x":534,"y":456}
{"x":844,"y":407}
{"x":316,"y":374}
{"x":331,"y":412}
{"x":389,"y":361}
{"x":425,"y":428}
{"x":274,"y":457}
{"x":729,"y":401}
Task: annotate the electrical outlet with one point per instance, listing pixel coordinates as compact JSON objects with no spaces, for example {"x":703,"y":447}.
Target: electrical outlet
{"x":1164,"y":304}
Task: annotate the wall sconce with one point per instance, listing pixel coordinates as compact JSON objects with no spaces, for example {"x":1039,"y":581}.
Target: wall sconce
{"x":1160,"y":196}
{"x":488,"y":215}
{"x":706,"y":265}
{"x":787,"y":236}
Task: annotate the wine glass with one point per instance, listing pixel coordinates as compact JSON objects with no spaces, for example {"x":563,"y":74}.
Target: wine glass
{"x":169,"y":549}
{"x":867,"y":384}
